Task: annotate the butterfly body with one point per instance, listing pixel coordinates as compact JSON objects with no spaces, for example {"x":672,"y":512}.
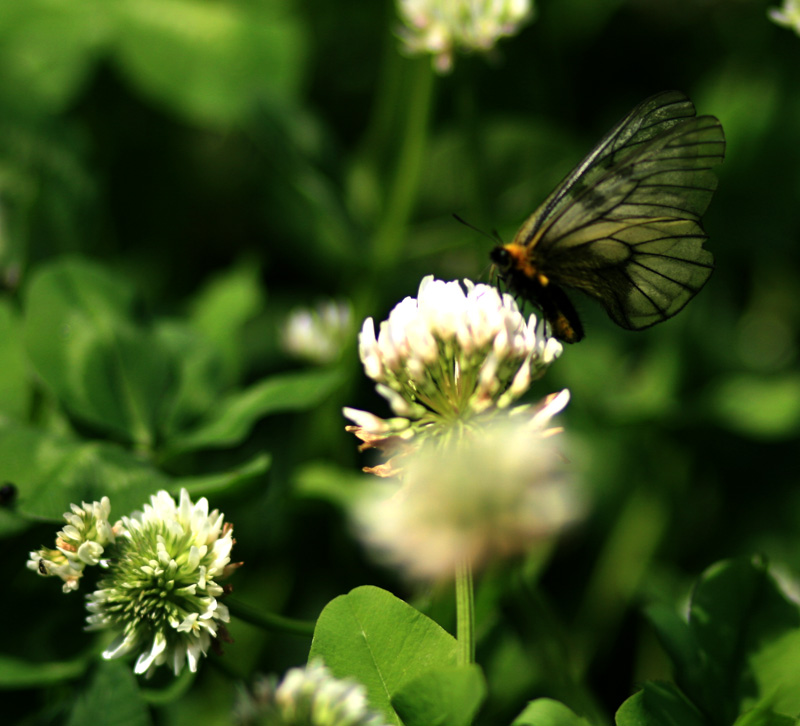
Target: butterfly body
{"x":624,"y":226}
{"x":523,"y":275}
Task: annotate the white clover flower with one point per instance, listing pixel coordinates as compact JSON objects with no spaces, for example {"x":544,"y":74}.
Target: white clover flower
{"x":161,"y":591}
{"x":451,"y":357}
{"x":477,"y":498}
{"x":308,"y":696}
{"x":440,"y":27}
{"x":788,"y":15}
{"x":82,"y":542}
{"x":318,"y":334}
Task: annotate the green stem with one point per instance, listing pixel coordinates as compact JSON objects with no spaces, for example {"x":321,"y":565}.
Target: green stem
{"x":479,"y":196}
{"x":621,"y":565}
{"x":270,"y":621}
{"x":465,"y":614}
{"x":403,"y":191}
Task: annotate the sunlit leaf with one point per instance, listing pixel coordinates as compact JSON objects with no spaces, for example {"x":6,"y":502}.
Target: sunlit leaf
{"x":210,"y":61}
{"x":546,"y":712}
{"x":380,"y":641}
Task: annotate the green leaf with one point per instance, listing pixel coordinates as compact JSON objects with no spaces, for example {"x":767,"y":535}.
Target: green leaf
{"x":741,"y":643}
{"x":225,"y":481}
{"x":758,"y":406}
{"x":765,"y":716}
{"x":47,"y":49}
{"x":211,"y":61}
{"x":547,"y":712}
{"x":174,"y":689}
{"x":84,"y":345}
{"x":14,"y":381}
{"x":326,"y":480}
{"x":201,"y":377}
{"x":232,"y":420}
{"x":17,"y":673}
{"x":441,"y":697}
{"x":659,"y":704}
{"x":11,"y":523}
{"x":775,"y":668}
{"x":222,"y":309}
{"x":678,"y":639}
{"x":52,"y":472}
{"x":382,"y":642}
{"x":112,"y":699}
{"x":736,"y":611}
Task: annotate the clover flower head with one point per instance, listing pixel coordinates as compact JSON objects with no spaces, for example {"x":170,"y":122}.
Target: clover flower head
{"x":318,"y":334}
{"x":80,"y":543}
{"x":440,"y":27}
{"x":453,"y":356}
{"x":788,"y":15}
{"x":478,"y":498}
{"x":161,"y":591}
{"x":309,"y":696}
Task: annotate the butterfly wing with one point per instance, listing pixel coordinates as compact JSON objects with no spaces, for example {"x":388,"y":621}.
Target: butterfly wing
{"x":624,"y":226}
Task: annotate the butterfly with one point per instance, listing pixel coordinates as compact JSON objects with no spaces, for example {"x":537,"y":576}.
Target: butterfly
{"x":624,"y":226}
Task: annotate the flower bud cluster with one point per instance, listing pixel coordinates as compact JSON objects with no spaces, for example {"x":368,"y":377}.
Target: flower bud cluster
{"x":80,"y":543}
{"x":318,"y":334}
{"x":310,"y":696}
{"x":440,"y":27}
{"x":448,"y":357}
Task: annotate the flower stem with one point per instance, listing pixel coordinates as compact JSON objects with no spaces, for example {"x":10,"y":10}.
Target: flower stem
{"x":465,"y":614}
{"x":403,"y":191}
{"x":270,"y":621}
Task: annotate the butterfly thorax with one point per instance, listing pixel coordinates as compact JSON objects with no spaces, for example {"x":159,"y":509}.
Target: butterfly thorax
{"x":519,"y":271}
{"x":515,"y":258}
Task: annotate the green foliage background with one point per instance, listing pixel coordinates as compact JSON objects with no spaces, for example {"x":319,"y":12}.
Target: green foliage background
{"x":176,"y":175}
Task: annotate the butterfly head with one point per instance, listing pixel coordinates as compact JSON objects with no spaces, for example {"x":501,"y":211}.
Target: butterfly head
{"x":512,"y":261}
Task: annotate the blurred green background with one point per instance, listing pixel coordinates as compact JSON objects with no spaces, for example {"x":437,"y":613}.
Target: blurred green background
{"x":228,"y":161}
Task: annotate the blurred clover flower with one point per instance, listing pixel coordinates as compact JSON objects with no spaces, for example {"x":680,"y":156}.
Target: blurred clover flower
{"x":440,"y":27}
{"x":452,"y":358}
{"x":788,"y":15}
{"x":318,"y":334}
{"x":484,"y":497}
{"x":308,"y":696}
{"x":160,"y":591}
{"x":82,"y":542}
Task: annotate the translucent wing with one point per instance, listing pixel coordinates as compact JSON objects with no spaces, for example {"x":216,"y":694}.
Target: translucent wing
{"x":624,"y":226}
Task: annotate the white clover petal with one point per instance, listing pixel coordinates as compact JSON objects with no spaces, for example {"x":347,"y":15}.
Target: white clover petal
{"x":222,"y":612}
{"x":123,"y":644}
{"x":366,"y":420}
{"x":552,"y":405}
{"x":90,"y":553}
{"x":146,"y":660}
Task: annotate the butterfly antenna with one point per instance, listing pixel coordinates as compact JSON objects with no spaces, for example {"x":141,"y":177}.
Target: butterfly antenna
{"x":493,"y":236}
